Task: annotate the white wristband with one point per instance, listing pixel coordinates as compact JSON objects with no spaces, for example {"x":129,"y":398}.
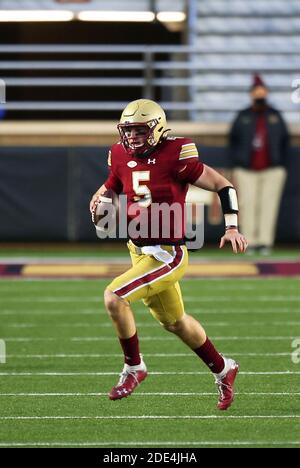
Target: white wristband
{"x":231,"y":219}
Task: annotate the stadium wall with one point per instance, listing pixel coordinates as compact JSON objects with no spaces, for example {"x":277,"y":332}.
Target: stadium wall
{"x":45,"y":192}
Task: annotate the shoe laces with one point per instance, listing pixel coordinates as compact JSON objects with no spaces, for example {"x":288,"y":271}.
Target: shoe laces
{"x":126,"y":373}
{"x":221,"y":387}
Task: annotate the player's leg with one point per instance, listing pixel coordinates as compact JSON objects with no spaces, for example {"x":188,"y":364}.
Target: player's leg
{"x":224,"y":369}
{"x":131,"y":286}
{"x":146,"y":276}
{"x":167,"y":307}
{"x":121,"y":314}
{"x":134,"y":370}
{"x":122,"y":317}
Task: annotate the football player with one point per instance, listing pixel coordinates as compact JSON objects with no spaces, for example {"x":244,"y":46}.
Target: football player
{"x":150,"y":167}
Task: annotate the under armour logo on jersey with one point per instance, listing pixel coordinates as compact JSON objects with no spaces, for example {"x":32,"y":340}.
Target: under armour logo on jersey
{"x":151,"y":161}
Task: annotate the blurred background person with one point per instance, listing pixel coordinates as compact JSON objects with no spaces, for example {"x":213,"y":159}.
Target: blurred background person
{"x":259,"y":143}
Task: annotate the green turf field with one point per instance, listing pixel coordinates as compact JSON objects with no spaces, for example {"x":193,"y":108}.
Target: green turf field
{"x":63,"y":358}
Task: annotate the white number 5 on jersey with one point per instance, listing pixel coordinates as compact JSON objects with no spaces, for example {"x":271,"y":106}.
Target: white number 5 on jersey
{"x":142,"y":191}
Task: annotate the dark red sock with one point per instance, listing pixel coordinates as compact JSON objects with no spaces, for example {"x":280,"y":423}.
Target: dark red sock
{"x":210,"y":356}
{"x":131,"y":350}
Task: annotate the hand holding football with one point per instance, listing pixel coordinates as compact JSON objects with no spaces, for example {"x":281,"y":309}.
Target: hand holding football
{"x":103,"y":213}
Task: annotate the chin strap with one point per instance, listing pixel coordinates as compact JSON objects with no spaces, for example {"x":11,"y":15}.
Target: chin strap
{"x":148,"y":152}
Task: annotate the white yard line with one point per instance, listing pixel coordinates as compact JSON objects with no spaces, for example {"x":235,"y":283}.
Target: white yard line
{"x":144,"y":338}
{"x":9,"y":312}
{"x":256,"y":298}
{"x":200,"y":298}
{"x":195,"y":310}
{"x":208,"y":286}
{"x":146,"y":355}
{"x":180,"y":443}
{"x":147,"y":325}
{"x":144,"y":417}
{"x":143,"y":394}
{"x":67,"y":374}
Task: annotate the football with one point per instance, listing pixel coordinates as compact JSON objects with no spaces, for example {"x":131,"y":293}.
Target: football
{"x":104,"y":214}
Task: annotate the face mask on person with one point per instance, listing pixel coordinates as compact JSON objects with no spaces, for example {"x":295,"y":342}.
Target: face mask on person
{"x":260,"y":102}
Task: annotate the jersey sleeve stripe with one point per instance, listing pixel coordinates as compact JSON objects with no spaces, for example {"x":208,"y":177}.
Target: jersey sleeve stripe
{"x":186,"y":150}
{"x":192,"y":150}
{"x":188,"y":153}
{"x":188,"y":144}
{"x":189,"y":156}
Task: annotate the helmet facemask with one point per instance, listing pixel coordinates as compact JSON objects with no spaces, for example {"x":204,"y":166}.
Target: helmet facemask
{"x":140,"y":141}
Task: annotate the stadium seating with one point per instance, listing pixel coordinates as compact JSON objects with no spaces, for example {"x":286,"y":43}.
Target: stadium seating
{"x":236,"y":38}
{"x":227,"y":41}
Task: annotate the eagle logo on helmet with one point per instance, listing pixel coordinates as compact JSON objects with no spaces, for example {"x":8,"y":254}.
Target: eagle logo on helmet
{"x":142,"y":126}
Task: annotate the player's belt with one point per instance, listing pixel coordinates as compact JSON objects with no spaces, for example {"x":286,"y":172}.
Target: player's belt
{"x":163,"y":244}
{"x":138,"y":250}
{"x":155,"y":251}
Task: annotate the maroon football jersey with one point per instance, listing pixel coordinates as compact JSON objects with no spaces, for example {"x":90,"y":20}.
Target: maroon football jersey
{"x":153,"y":184}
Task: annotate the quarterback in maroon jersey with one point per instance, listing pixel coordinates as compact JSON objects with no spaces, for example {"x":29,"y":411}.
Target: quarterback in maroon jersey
{"x":151,"y":169}
{"x":156,"y":178}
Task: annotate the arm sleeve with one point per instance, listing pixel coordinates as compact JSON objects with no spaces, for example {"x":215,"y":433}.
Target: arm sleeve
{"x":188,"y":168}
{"x":113,"y":182}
